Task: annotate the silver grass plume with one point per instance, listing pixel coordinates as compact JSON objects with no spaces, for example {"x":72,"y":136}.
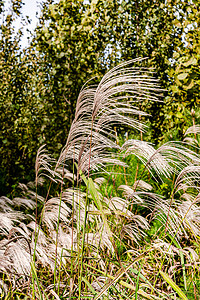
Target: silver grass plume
{"x":195,"y":129}
{"x":170,"y":158}
{"x":100,"y":107}
{"x":44,"y":166}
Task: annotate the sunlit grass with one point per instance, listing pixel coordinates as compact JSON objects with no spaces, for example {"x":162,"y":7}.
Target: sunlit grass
{"x":123,"y":224}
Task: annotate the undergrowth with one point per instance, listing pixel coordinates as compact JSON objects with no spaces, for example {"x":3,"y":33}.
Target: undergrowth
{"x":112,"y":218}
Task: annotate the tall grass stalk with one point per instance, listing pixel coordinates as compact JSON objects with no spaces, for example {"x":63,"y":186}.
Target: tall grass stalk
{"x":58,"y":222}
{"x":83,"y":242}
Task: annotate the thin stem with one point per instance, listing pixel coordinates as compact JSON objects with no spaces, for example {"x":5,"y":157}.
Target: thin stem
{"x":73,"y":166}
{"x":59,"y":211}
{"x":85,"y":215}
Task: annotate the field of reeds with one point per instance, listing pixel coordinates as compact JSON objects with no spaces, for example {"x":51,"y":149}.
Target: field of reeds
{"x":114,"y":217}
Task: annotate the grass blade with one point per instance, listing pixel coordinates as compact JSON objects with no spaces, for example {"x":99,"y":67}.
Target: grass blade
{"x":89,"y":285}
{"x":173,"y":285}
{"x":36,"y":279}
{"x":120,"y":273}
{"x":137,"y":284}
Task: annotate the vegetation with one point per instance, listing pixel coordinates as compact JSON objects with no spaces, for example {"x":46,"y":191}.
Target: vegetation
{"x":76,"y":41}
{"x":108,"y":215}
{"x":102,"y":230}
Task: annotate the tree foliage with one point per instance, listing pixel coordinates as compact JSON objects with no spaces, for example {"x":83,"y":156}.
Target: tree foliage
{"x":82,"y":39}
{"x":184,"y":74}
{"x":22,"y":114}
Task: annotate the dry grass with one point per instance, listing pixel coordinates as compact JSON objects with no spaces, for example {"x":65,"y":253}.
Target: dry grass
{"x":106,"y":236}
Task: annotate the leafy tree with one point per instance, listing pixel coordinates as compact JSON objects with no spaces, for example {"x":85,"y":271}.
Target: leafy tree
{"x":184,"y":73}
{"x":71,"y":53}
{"x":21,"y":115}
{"x":80,"y":40}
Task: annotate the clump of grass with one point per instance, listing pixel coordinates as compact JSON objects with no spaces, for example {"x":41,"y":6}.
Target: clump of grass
{"x":103,"y":231}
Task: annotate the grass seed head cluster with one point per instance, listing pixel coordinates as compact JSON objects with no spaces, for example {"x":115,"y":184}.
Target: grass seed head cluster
{"x":104,"y":229}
